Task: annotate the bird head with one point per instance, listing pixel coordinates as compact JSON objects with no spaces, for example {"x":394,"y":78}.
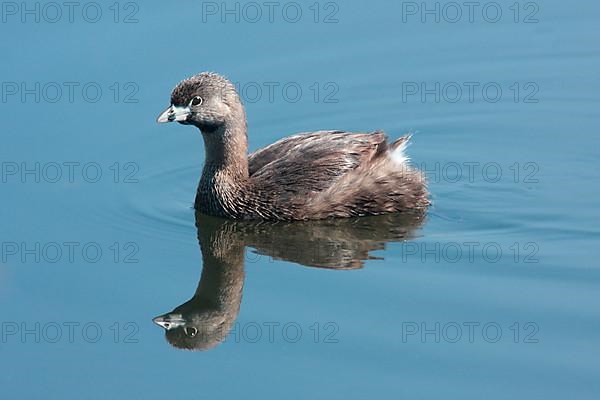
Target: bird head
{"x":206,"y":100}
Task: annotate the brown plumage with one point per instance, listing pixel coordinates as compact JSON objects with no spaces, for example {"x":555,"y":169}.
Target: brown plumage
{"x":306,"y":176}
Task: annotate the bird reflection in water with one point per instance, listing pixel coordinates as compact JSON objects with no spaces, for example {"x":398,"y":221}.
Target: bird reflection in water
{"x":205,"y":320}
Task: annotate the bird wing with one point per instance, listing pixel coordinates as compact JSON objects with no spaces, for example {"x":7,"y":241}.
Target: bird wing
{"x":311,"y":162}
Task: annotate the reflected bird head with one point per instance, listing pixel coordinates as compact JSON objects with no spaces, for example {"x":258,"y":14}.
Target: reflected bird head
{"x":199,"y":329}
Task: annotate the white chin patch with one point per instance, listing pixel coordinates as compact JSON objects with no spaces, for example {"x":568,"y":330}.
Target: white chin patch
{"x":181,"y":113}
{"x":398,"y":155}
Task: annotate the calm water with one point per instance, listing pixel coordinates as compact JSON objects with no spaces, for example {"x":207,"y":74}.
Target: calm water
{"x":494,"y":295}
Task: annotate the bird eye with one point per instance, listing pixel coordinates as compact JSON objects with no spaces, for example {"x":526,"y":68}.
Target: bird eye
{"x":196,"y":101}
{"x":191,"y":332}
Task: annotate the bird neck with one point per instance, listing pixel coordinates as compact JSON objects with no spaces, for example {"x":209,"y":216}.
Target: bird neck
{"x":226,"y":151}
{"x":223,"y":263}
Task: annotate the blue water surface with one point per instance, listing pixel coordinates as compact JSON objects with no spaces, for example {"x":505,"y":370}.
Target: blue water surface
{"x":495,"y":295}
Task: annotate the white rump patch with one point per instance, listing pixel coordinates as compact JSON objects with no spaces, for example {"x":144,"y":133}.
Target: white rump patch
{"x":398,"y":155}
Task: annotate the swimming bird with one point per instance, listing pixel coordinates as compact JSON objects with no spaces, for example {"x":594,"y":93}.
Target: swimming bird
{"x":314,"y":175}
